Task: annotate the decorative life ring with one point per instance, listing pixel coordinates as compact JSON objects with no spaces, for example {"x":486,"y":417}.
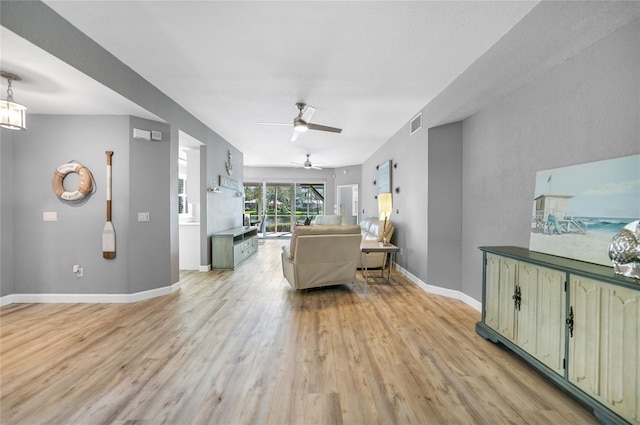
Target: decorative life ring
{"x":84,"y":188}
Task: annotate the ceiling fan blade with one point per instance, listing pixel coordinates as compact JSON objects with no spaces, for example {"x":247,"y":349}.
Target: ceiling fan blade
{"x":294,"y":136}
{"x":324,"y":128}
{"x":315,"y":168}
{"x":274,"y":123}
{"x":307,"y":113}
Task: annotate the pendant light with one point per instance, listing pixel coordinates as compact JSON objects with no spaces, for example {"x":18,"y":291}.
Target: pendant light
{"x":12,"y":115}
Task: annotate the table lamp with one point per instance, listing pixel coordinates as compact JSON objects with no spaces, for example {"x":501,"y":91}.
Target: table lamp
{"x":385,"y":206}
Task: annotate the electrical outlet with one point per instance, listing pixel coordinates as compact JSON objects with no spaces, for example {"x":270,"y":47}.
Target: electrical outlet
{"x":143,"y":216}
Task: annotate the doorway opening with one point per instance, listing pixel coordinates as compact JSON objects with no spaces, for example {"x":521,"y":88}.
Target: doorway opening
{"x":348,"y":203}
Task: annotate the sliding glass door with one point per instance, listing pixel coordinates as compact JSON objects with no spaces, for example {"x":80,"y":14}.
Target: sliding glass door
{"x":283,"y":205}
{"x":279,"y":200}
{"x":309,"y":201}
{"x":253,"y":202}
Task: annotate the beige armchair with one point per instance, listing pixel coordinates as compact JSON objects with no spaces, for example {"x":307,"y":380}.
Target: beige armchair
{"x":321,"y":256}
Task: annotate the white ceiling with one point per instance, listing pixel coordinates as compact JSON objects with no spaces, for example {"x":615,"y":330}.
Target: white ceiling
{"x":50,"y":86}
{"x":367,"y":67}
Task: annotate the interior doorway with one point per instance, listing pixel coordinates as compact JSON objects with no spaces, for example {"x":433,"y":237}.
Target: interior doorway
{"x":190,"y":187}
{"x":348,"y":203}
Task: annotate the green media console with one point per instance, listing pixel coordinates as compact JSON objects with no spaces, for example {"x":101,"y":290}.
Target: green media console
{"x":231,"y":247}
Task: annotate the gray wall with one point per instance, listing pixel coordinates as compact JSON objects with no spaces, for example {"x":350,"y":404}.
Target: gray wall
{"x":149,"y":242}
{"x":6,"y":213}
{"x":409,"y":157}
{"x":444,"y":213}
{"x":586,"y":109}
{"x":40,"y":255}
{"x":44,"y":252}
{"x":348,"y":175}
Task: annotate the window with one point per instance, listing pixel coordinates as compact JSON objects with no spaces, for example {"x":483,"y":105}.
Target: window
{"x":183,"y":206}
{"x":253,"y":201}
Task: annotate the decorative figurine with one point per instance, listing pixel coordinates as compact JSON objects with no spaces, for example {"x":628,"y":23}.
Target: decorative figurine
{"x":624,"y":251}
{"x":228,"y":164}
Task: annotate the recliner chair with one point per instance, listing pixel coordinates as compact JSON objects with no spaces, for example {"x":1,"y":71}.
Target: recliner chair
{"x":321,"y":256}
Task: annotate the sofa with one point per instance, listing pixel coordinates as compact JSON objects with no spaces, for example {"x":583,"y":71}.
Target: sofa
{"x":371,"y":229}
{"x":321,"y":256}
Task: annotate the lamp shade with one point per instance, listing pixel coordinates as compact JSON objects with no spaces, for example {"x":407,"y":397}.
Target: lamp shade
{"x":385,"y":205}
{"x":12,"y":115}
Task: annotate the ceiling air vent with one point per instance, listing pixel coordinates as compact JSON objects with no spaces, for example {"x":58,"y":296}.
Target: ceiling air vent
{"x":416,"y":123}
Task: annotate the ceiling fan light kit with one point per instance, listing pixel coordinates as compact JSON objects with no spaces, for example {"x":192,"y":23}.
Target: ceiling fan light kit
{"x":299,"y":125}
{"x":302,"y":123}
{"x":307,"y":165}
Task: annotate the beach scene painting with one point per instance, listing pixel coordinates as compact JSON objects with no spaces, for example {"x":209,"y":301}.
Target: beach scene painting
{"x":578,"y":209}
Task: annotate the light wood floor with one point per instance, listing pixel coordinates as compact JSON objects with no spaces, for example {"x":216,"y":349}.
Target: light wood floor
{"x":242,"y":347}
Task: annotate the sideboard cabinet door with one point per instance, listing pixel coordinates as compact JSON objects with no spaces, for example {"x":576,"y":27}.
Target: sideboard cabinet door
{"x":492,"y":289}
{"x":541,"y":319}
{"x":605,"y":347}
{"x":500,"y":278}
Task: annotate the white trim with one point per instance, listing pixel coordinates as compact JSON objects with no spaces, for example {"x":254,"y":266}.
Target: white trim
{"x":449,"y":293}
{"x":89,"y":298}
{"x":158,"y":292}
{"x":6,"y":300}
{"x":206,"y":268}
{"x":472,"y":302}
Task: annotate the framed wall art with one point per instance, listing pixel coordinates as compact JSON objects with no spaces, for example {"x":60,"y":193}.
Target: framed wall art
{"x":384,"y":177}
{"x":577,"y":210}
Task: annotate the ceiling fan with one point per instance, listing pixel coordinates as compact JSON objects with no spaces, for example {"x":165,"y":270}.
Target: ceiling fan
{"x":301,"y":122}
{"x":307,"y":164}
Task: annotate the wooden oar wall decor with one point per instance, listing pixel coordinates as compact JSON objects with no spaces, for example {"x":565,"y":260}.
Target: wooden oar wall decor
{"x":109,"y":233}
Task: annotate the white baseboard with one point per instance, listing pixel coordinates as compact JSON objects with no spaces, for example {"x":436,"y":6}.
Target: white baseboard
{"x":449,"y":293}
{"x":472,"y":302}
{"x":206,"y":268}
{"x":88,"y":298}
{"x":144,"y":295}
{"x":6,"y":300}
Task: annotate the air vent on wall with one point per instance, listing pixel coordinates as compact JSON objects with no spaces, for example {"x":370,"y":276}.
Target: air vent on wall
{"x":416,"y":123}
{"x":141,"y":134}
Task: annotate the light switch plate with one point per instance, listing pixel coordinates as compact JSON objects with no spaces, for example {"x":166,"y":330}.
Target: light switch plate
{"x":143,"y":216}
{"x":49,"y":216}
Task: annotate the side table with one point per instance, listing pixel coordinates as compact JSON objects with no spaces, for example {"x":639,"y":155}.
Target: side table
{"x":369,"y":246}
